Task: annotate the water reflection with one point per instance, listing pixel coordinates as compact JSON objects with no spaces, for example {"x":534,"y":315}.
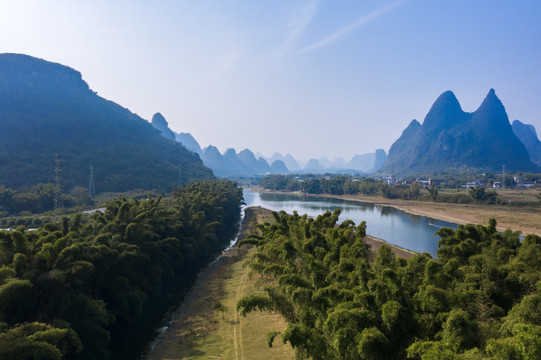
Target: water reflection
{"x":409,"y":231}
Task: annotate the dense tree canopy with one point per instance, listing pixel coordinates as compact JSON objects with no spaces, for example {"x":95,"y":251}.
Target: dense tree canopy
{"x":480,"y":299}
{"x":38,"y":199}
{"x":74,"y":289}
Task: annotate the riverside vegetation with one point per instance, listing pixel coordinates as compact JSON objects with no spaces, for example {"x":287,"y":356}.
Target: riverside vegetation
{"x":343,"y":185}
{"x":95,"y":289}
{"x":207,"y":326}
{"x":480,"y":299}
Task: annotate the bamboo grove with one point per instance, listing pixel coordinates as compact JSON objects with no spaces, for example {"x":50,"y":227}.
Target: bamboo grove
{"x":480,"y":299}
{"x":87,"y":289}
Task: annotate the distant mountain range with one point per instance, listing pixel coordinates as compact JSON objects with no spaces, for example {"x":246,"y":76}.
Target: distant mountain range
{"x":527,"y":134}
{"x":365,"y":163}
{"x":246,"y":163}
{"x":227,"y":164}
{"x":450,"y":139}
{"x":47,"y":109}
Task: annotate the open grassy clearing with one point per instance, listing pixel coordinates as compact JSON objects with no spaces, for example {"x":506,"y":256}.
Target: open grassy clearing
{"x":208,"y":325}
{"x":530,"y":195}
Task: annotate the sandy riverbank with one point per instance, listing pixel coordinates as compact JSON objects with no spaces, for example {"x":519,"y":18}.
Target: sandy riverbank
{"x":516,"y":219}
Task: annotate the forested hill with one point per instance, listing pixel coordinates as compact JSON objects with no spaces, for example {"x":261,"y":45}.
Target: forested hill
{"x":96,"y":289}
{"x":47,"y":109}
{"x":479,"y":300}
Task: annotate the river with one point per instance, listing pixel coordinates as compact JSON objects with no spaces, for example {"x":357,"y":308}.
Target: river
{"x":395,"y":226}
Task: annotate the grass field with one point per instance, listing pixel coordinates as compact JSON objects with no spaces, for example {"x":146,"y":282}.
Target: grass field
{"x":208,"y":325}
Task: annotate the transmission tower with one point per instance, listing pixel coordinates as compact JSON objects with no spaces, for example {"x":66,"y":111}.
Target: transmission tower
{"x":91,"y":188}
{"x":58,"y":192}
{"x":503,"y":176}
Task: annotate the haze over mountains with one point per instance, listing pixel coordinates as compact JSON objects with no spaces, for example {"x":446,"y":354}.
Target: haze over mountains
{"x":527,"y":134}
{"x":47,"y":109}
{"x":246,"y":163}
{"x":450,"y":139}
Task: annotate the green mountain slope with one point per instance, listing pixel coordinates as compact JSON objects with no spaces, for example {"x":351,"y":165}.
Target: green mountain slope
{"x":47,"y":109}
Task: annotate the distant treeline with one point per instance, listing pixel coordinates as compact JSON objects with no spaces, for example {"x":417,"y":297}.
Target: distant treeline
{"x":76,"y":290}
{"x":343,"y":185}
{"x":481,"y":299}
{"x":39,"y":198}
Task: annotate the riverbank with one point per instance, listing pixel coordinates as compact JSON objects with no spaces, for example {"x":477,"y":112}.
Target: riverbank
{"x":207,"y":325}
{"x":516,"y":219}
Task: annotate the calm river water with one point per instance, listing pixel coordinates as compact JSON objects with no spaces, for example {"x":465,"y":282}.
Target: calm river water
{"x":397,"y":227}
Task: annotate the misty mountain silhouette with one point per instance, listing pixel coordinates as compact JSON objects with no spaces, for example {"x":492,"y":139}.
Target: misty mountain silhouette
{"x":451,"y":139}
{"x":527,"y":134}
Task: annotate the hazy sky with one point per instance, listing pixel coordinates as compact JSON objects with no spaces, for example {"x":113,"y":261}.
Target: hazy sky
{"x":312,"y":78}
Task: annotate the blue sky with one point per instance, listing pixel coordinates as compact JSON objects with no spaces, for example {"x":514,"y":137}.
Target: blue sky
{"x":310,"y":78}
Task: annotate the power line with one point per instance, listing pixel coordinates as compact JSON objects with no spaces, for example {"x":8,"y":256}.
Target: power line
{"x":503,"y":176}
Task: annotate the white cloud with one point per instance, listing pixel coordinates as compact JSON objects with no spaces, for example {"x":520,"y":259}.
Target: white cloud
{"x":297,"y":25}
{"x":363,"y":20}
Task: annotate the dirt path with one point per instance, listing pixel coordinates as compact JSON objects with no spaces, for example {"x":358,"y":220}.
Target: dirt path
{"x":196,"y":317}
{"x":237,"y":327}
{"x":200,"y":332}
